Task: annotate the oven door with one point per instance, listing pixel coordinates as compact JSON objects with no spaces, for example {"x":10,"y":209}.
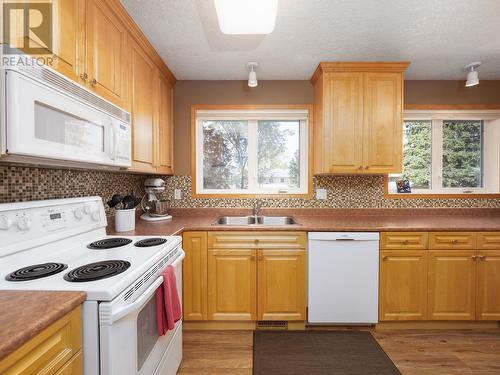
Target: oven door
{"x":129,"y":343}
{"x":43,"y":122}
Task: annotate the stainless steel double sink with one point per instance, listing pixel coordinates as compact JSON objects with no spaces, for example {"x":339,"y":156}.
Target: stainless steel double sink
{"x":255,"y":220}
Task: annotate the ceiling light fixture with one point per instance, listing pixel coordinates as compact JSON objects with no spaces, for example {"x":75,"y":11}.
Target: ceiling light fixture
{"x":238,"y":17}
{"x":472,"y":75}
{"x":252,"y":75}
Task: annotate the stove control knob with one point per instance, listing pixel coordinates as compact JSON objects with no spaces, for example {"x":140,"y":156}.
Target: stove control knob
{"x":23,"y":223}
{"x":5,"y":222}
{"x":87,"y":209}
{"x":95,"y":216}
{"x":78,"y":213}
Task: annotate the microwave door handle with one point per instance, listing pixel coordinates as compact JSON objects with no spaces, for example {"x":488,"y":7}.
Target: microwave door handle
{"x":138,"y":303}
{"x":115,"y":143}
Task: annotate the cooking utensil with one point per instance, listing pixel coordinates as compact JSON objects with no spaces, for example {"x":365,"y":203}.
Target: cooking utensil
{"x":115,"y":200}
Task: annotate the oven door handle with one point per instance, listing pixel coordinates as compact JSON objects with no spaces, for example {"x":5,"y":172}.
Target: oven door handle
{"x":138,"y":303}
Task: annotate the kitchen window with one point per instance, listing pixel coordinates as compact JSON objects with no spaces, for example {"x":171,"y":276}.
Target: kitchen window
{"x":450,"y":153}
{"x":251,"y":151}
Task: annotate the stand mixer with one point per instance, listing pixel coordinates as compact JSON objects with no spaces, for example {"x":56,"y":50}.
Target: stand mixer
{"x":154,"y":209}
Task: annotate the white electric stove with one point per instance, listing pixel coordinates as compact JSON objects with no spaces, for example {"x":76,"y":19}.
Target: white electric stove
{"x":62,"y":245}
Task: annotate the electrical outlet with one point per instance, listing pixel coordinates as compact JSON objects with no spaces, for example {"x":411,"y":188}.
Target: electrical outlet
{"x":321,"y":194}
{"x":177,"y":194}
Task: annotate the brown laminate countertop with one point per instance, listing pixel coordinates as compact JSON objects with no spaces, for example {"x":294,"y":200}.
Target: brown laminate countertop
{"x":327,"y":220}
{"x":24,"y":314}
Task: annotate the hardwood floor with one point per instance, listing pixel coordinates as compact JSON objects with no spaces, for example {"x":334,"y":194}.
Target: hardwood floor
{"x":416,"y":352}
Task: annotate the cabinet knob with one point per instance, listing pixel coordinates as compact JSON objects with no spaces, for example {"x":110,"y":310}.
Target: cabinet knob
{"x":360,"y":168}
{"x":454,"y":242}
{"x":84,"y":76}
{"x":406,"y":242}
{"x":367,"y":167}
{"x":482,"y":257}
{"x":385,"y":258}
{"x":474,"y":257}
{"x":93,"y":82}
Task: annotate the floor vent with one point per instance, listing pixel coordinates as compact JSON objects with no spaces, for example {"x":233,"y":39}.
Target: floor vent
{"x":272,"y":324}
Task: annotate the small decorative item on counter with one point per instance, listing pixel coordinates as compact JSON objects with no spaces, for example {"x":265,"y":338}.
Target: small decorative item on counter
{"x":125,"y":220}
{"x":403,"y":186}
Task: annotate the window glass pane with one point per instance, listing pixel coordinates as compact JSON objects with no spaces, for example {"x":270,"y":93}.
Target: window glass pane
{"x":462,"y":153}
{"x":225,"y":154}
{"x":417,"y":153}
{"x":278,"y":154}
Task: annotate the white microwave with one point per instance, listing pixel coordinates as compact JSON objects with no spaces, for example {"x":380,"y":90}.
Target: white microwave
{"x":48,"y":119}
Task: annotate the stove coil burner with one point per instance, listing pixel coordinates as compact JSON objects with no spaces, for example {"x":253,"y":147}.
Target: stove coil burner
{"x":150,"y":242}
{"x":97,"y":271}
{"x":109,"y":243}
{"x":36,"y":271}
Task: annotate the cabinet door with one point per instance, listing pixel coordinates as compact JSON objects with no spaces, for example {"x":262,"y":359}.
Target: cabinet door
{"x":383,"y":123}
{"x":106,"y":46}
{"x":194,"y":275}
{"x":488,"y":285}
{"x":403,"y":285}
{"x":144,"y":103}
{"x":343,"y":131}
{"x":165,"y":129}
{"x":281,"y":284}
{"x":232,"y":284}
{"x":452,"y":284}
{"x":69,"y":39}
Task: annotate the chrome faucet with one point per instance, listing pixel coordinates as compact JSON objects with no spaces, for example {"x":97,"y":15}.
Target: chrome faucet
{"x":256,"y":207}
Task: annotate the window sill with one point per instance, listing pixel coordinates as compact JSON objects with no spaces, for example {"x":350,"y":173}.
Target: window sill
{"x":257,"y":196}
{"x":440,"y":196}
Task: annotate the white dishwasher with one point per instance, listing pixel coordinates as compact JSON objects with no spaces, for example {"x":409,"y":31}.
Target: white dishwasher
{"x":343,"y":277}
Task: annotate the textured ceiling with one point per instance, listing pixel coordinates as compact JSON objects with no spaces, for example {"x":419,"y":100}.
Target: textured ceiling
{"x":438,"y":36}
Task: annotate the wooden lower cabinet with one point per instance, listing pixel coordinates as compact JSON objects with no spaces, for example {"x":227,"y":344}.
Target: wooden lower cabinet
{"x":452,"y":284}
{"x":194,"y":276}
{"x":403,"y":285}
{"x":56,"y":350}
{"x":281,"y":284}
{"x":232,"y":286}
{"x":488,"y":285}
{"x":244,"y":276}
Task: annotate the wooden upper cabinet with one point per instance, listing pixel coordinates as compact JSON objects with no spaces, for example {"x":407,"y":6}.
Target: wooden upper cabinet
{"x":344,"y":111}
{"x":358,"y":117}
{"x":106,"y":52}
{"x":165,"y":127}
{"x":383,"y":122}
{"x":69,"y":38}
{"x":144,"y":101}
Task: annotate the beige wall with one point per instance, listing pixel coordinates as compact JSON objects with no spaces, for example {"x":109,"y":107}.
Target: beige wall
{"x":451,"y":92}
{"x":187,"y":93}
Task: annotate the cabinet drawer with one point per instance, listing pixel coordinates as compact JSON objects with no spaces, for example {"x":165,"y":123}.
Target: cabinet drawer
{"x":403,"y":240}
{"x":256,"y":240}
{"x":452,"y":240}
{"x":49,"y":351}
{"x":488,"y":240}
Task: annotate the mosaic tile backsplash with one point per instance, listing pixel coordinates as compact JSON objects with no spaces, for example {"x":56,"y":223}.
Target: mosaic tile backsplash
{"x":24,"y":184}
{"x":343,"y":192}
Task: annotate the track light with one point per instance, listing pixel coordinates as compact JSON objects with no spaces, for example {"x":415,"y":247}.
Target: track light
{"x":472,"y":75}
{"x":252,"y":75}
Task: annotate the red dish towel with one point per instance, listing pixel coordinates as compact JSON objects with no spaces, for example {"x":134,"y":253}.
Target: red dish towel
{"x":168,"y":305}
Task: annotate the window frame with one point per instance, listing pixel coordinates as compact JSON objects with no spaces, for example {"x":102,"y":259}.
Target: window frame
{"x":199,"y":113}
{"x":490,"y":157}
